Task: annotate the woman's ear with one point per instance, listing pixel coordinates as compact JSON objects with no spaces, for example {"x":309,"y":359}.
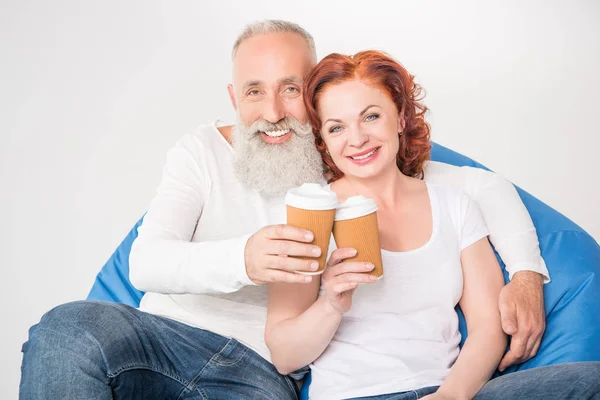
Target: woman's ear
{"x":401,"y":122}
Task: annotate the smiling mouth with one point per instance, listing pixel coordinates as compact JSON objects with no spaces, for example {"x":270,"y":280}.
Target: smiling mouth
{"x":275,"y":134}
{"x":276,"y":137}
{"x":365,"y":155}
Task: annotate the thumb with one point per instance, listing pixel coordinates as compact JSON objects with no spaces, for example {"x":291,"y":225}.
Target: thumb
{"x":508,"y":315}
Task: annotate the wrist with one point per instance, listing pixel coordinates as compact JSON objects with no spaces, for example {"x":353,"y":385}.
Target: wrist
{"x":528,"y":277}
{"x":329,"y":308}
{"x":249,"y":278}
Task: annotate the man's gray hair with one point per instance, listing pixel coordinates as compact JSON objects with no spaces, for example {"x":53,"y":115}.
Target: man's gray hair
{"x":274,"y":26}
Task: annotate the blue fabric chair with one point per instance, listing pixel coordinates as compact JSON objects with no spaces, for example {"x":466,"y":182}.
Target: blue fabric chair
{"x":112,"y":282}
{"x":572,"y":299}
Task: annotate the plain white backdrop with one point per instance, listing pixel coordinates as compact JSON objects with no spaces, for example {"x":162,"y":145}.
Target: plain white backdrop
{"x":93,"y":94}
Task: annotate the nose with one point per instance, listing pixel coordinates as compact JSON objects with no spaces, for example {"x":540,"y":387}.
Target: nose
{"x":357,"y":137}
{"x":274,"y":109}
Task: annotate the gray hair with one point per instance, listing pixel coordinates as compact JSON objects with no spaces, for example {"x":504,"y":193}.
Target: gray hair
{"x":274,"y":26}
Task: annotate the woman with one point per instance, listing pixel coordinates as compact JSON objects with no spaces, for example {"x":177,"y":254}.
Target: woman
{"x":364,"y":337}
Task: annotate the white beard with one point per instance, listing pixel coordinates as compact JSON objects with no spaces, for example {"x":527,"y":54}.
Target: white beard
{"x":272,"y":169}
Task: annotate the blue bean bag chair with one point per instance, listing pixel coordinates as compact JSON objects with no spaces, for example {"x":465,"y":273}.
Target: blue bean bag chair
{"x":572,"y":298}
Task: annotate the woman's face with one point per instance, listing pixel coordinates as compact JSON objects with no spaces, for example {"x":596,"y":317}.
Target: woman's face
{"x":360,"y":125}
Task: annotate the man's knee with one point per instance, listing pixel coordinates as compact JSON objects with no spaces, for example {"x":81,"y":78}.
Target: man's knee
{"x":69,"y":345}
{"x":84,"y":316}
{"x":78,"y":327}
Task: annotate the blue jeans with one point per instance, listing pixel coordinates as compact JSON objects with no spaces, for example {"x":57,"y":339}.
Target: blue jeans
{"x":98,"y":350}
{"x":569,"y":381}
{"x":410,"y":395}
{"x":577,"y":381}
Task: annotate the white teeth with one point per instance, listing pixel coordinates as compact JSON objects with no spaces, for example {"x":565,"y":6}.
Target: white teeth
{"x":276,"y":133}
{"x":365,"y":155}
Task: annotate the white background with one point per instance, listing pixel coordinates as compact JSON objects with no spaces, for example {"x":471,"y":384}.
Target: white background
{"x":93,"y":94}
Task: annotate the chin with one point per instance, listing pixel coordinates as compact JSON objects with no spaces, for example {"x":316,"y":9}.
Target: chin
{"x":362,"y":173}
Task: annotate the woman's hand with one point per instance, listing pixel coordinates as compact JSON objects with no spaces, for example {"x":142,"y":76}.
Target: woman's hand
{"x":341,"y":278}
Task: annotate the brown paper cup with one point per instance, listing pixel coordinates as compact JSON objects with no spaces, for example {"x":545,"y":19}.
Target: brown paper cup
{"x":320,"y":223}
{"x":362,"y":234}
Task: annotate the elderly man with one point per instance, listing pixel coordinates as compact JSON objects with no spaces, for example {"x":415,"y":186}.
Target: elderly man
{"x":213,"y":237}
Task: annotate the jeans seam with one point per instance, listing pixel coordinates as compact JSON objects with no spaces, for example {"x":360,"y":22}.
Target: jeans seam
{"x":214,"y":359}
{"x":291,"y":384}
{"x":130,"y":367}
{"x":203,"y":393}
{"x":212,"y":363}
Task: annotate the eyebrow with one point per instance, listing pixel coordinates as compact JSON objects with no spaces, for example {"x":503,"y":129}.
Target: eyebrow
{"x":251,"y":83}
{"x":282,"y":81}
{"x":360,"y":114}
{"x":290,"y":79}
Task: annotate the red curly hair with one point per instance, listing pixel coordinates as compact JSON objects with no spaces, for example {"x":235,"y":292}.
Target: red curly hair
{"x":380,"y":70}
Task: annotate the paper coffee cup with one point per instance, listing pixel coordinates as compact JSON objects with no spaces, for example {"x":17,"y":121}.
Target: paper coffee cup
{"x":313,"y":207}
{"x":356,"y":226}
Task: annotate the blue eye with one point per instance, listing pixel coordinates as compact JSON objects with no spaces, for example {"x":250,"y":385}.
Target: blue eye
{"x":335,"y":129}
{"x":292,"y":89}
{"x":371,"y":117}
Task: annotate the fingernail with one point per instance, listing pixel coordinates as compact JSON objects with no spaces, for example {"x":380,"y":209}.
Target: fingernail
{"x":307,"y":279}
{"x":308,"y":236}
{"x":314,"y":266}
{"x":353,"y":252}
{"x":369,"y":266}
{"x":373,"y":277}
{"x":316,"y":251}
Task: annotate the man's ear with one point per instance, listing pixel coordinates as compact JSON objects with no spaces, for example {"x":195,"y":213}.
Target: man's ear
{"x":232,"y":96}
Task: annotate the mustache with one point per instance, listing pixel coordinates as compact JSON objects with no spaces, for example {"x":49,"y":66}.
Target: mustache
{"x":284,"y":124}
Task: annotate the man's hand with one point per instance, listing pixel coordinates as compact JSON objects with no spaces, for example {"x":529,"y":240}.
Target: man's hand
{"x":523,"y":317}
{"x":267,"y":251}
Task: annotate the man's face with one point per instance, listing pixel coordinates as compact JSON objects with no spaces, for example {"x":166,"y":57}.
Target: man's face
{"x":268,"y":72}
{"x":273,"y":141}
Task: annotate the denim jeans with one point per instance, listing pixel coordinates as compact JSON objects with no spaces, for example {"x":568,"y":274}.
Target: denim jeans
{"x":410,"y":395}
{"x":98,"y":350}
{"x":576,"y":381}
{"x":569,"y":381}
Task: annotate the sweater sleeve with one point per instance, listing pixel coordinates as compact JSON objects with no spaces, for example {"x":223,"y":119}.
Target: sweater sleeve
{"x":509,"y":224}
{"x":163,"y":259}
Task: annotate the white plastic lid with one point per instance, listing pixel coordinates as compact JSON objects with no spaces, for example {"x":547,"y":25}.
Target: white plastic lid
{"x":311,"y":196}
{"x":354,"y":207}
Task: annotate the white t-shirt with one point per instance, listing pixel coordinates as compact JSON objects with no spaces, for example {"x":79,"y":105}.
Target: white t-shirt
{"x":402,"y":332}
{"x":189,"y":255}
